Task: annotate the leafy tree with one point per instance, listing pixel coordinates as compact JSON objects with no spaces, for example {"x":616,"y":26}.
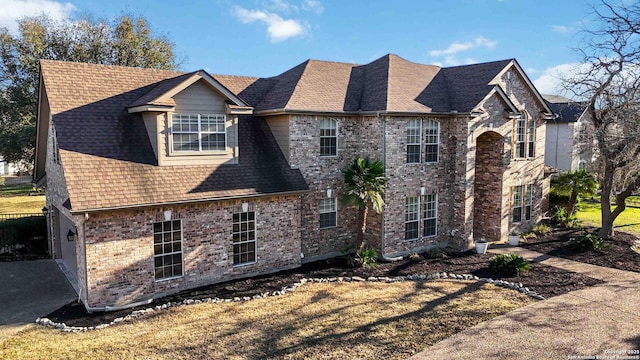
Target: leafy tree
{"x":576,"y":183}
{"x":364,"y":186}
{"x":609,"y":80}
{"x":125,"y":41}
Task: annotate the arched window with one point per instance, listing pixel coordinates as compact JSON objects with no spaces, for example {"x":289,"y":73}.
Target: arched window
{"x":328,"y":137}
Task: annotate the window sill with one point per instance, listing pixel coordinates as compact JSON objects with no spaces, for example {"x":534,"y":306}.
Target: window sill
{"x":199,"y":153}
{"x":168,"y":279}
{"x":433,"y":237}
{"x":329,"y":227}
{"x":328,"y":156}
{"x":244,"y":264}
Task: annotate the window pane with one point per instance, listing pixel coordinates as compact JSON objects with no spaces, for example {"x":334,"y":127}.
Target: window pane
{"x":411,"y":230}
{"x":429,"y":227}
{"x":413,"y":154}
{"x":431,"y":153}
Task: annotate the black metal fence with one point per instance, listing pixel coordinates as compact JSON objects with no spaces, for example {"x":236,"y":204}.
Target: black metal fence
{"x":26,"y":233}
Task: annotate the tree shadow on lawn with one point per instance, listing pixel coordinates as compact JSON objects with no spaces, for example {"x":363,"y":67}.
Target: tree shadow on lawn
{"x":276,"y":341}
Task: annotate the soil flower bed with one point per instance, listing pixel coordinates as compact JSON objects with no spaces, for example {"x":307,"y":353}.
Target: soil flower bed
{"x":545,"y":280}
{"x":616,"y":254}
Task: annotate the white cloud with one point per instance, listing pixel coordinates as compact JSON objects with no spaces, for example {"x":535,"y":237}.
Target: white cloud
{"x":562,"y":29}
{"x":449,"y":54}
{"x":313,"y":5}
{"x":12,"y":10}
{"x":549,"y":82}
{"x":278,"y":29}
{"x":465,"y":46}
{"x":282,"y":6}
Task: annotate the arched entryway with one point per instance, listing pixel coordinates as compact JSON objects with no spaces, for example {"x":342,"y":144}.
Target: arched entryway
{"x":488,"y":186}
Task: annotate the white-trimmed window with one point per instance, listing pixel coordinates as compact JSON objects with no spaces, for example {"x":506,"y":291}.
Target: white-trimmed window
{"x":522,"y":199}
{"x":524,"y":137}
{"x":531,"y":137}
{"x":429,"y":215}
{"x":167,"y":249}
{"x":328,"y":212}
{"x":421,"y":216}
{"x":414,"y":141}
{"x":328,"y":137}
{"x":198,"y":132}
{"x":520,"y":137}
{"x":411,"y":218}
{"x":432,"y":140}
{"x":244,"y":238}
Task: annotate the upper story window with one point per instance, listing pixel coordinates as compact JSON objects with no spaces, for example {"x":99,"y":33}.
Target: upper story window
{"x":198,"y":132}
{"x":415,"y":130}
{"x":525,"y":137}
{"x":432,"y":140}
{"x":328,"y":137}
{"x":414,"y":141}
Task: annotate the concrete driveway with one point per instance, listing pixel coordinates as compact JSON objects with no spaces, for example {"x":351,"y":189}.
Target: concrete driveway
{"x":28,"y":290}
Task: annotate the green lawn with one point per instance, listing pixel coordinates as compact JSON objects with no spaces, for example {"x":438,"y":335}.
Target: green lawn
{"x":16,"y":190}
{"x":629,"y":221}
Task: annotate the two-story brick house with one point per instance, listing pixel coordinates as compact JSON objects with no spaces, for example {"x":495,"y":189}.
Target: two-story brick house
{"x":160,"y":181}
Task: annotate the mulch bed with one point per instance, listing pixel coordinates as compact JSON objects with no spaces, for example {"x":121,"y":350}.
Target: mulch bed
{"x":616,"y":254}
{"x":546,"y":280}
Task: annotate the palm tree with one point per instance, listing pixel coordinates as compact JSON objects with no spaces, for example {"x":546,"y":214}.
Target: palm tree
{"x":579,"y":182}
{"x":364,"y":186}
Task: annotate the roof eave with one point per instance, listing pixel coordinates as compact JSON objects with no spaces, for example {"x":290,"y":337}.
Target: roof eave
{"x":191,"y":201}
{"x":285,"y":111}
{"x":150,"y":107}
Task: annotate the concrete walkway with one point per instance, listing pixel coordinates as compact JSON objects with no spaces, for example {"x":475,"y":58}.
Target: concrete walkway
{"x":28,"y":290}
{"x":599,"y":320}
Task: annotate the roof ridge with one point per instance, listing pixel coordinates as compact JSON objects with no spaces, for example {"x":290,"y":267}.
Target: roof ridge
{"x":179,"y":72}
{"x":480,"y":63}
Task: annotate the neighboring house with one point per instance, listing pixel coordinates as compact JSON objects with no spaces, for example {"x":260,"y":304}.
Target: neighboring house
{"x":168,"y":181}
{"x":8,"y":169}
{"x":569,"y":146}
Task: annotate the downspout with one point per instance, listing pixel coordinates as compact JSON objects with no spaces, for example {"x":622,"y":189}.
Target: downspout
{"x":91,"y":309}
{"x":384,"y":163}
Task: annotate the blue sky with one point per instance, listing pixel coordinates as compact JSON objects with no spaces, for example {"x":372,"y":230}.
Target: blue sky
{"x":267,"y":37}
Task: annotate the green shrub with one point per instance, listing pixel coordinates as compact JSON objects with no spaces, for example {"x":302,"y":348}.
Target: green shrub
{"x":541,"y":229}
{"x":585,"y":242}
{"x":508,"y":264}
{"x":560,"y":216}
{"x":366,"y":256}
{"x":1,"y":180}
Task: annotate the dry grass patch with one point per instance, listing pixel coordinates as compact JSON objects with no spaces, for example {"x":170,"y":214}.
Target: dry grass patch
{"x":22,"y":204}
{"x":328,"y":321}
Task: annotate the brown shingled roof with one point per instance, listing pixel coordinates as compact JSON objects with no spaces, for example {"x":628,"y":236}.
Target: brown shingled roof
{"x":107,"y":156}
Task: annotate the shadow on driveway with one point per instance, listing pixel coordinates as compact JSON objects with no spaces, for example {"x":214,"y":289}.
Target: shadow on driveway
{"x":28,"y":290}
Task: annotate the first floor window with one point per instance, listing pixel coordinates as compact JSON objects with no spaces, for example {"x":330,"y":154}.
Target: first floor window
{"x":430,"y":215}
{"x":244,"y":238}
{"x":528,"y":200}
{"x":328,"y":213}
{"x":421,"y":216}
{"x":198,"y":132}
{"x":522,"y":201}
{"x":328,"y":137}
{"x":411,"y":218}
{"x":167,"y":249}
